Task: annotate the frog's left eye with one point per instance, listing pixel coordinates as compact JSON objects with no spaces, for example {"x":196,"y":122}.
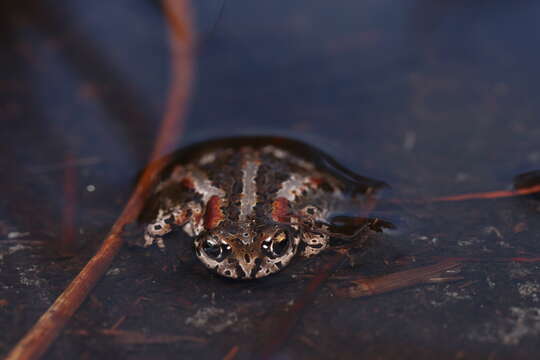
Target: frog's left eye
{"x":215,"y":249}
{"x":310,"y":210}
{"x":276,"y":246}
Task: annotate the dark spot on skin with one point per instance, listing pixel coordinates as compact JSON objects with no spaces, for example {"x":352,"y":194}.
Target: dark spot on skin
{"x":237,"y":187}
{"x":157,"y":227}
{"x":279,"y":265}
{"x":318,"y":246}
{"x":240,"y":272}
{"x":228,"y":272}
{"x":247,"y":258}
{"x":257,"y":267}
{"x":326,"y":187}
{"x":232,"y":261}
{"x":253,"y":272}
{"x":169,"y":220}
{"x":189,"y":212}
{"x":310,"y":211}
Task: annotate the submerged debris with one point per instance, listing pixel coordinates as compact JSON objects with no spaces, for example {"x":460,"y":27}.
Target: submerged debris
{"x":511,"y":330}
{"x":530,"y":290}
{"x":17,"y":234}
{"x":435,"y":273}
{"x":518,"y":271}
{"x":212,"y":320}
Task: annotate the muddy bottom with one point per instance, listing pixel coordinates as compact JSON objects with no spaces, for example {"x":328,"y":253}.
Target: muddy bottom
{"x":436,"y":99}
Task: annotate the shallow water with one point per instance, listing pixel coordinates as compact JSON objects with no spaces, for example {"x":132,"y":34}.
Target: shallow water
{"x":434,"y":97}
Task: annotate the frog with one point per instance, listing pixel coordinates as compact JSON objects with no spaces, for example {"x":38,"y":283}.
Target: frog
{"x":252,"y":204}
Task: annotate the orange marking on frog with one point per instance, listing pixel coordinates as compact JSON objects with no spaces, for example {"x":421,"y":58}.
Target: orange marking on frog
{"x":280,"y":210}
{"x":213,"y":215}
{"x":188,"y":183}
{"x":316,"y":181}
{"x":181,"y":218}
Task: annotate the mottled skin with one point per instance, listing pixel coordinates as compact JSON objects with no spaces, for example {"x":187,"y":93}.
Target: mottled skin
{"x":252,"y":204}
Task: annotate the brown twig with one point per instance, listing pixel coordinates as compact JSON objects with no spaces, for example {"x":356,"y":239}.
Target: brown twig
{"x":474,"y":196}
{"x":44,"y":332}
{"x":49,"y":325}
{"x":491,"y":194}
{"x":523,"y":259}
{"x":232,"y":353}
{"x":364,"y":286}
{"x":118,"y":322}
{"x":182,"y":44}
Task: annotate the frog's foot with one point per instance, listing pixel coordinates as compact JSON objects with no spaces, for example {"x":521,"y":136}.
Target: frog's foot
{"x":314,"y":243}
{"x":155,"y":231}
{"x":150,"y":240}
{"x":164,"y":224}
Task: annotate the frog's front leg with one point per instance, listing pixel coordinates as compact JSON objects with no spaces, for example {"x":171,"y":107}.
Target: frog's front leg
{"x":314,"y":232}
{"x":187,"y":216}
{"x":314,"y":243}
{"x":161,"y":226}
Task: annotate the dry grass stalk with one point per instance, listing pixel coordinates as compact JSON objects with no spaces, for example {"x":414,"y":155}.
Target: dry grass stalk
{"x":364,"y":286}
{"x":38,"y":339}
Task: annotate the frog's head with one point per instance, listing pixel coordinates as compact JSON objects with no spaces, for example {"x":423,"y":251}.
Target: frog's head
{"x":247,"y":253}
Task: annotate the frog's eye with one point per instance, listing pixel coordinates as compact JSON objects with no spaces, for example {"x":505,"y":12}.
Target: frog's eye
{"x":310,"y":210}
{"x":215,"y":249}
{"x":277,"y":245}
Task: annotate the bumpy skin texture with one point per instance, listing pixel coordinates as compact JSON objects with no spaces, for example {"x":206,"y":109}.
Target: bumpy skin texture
{"x":252,"y":203}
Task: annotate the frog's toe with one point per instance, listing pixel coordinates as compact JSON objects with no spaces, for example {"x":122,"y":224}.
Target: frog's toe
{"x":314,"y":244}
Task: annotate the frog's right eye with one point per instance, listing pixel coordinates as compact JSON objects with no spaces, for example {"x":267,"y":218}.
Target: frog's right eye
{"x":215,"y":249}
{"x":276,"y":246}
{"x":310,"y":210}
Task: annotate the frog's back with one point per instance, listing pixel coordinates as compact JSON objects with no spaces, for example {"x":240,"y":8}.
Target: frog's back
{"x":250,"y":173}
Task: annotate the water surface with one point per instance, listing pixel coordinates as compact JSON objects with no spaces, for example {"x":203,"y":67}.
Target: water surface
{"x":434,"y":97}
